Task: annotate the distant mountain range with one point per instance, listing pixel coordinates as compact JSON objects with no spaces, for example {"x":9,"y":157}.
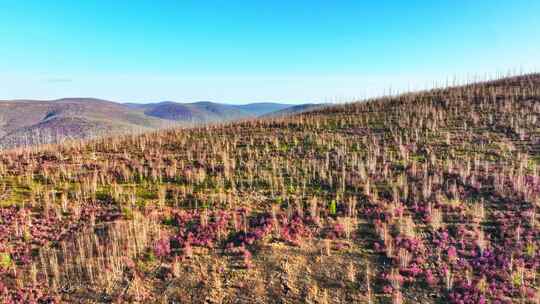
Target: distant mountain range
{"x":30,"y":122}
{"x":205,"y":111}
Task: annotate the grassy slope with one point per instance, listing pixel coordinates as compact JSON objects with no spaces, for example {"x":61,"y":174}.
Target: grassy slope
{"x":298,"y":109}
{"x":27,"y":122}
{"x":387,"y":163}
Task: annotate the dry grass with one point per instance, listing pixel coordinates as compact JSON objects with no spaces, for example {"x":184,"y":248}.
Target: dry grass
{"x":425,"y":197}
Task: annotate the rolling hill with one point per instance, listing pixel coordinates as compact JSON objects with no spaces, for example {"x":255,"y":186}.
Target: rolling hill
{"x":29,"y":122}
{"x":260,"y":109}
{"x":427,"y":197}
{"x":297,"y":109}
{"x":198,"y":112}
{"x":205,"y":111}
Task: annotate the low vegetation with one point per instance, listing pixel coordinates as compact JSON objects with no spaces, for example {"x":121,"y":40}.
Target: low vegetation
{"x":426,"y":197}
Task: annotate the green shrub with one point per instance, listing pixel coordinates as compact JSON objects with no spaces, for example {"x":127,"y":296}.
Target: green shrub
{"x":127,"y":213}
{"x":5,"y":260}
{"x":332,"y":208}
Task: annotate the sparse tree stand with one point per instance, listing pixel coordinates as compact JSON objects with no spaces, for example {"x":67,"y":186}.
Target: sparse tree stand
{"x":426,"y":197}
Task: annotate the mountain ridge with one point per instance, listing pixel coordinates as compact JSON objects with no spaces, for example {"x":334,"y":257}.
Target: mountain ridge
{"x":29,"y":122}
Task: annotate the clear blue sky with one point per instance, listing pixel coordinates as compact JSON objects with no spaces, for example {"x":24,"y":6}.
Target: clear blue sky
{"x":243,"y":51}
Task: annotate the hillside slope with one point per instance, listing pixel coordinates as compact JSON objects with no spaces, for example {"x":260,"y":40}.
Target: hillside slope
{"x":30,"y":122}
{"x":298,"y":109}
{"x":26,"y":122}
{"x":427,"y":197}
{"x":205,"y":111}
{"x":260,"y":109}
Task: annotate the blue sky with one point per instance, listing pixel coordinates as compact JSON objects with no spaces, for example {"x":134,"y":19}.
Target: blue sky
{"x":246,"y":51}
